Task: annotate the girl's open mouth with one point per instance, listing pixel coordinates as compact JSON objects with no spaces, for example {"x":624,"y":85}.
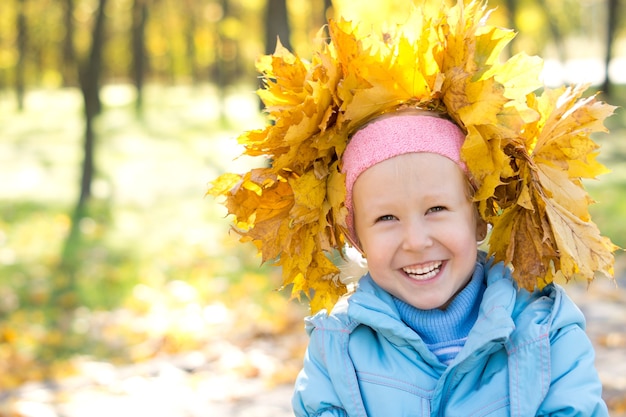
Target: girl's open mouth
{"x":423,"y":272}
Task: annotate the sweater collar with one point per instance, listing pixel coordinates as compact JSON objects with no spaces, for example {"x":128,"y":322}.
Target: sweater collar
{"x":453,"y":323}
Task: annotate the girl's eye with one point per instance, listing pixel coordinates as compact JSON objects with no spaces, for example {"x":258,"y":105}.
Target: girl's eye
{"x":386,"y":218}
{"x":436,"y":209}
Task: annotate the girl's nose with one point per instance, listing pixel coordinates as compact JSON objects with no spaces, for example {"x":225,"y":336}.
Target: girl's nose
{"x":417,"y":236}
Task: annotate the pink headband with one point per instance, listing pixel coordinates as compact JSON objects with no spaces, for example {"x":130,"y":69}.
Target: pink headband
{"x":395,"y":135}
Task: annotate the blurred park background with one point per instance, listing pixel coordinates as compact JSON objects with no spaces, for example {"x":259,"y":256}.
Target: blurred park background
{"x":114,"y":117}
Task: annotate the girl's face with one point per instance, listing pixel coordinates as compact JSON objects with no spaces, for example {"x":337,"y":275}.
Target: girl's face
{"x":417,"y":227}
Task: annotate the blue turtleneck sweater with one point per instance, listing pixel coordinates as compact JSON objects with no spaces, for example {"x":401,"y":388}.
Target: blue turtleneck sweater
{"x":445,"y":331}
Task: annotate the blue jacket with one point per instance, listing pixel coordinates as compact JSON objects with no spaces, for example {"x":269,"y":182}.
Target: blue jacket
{"x":527,"y":355}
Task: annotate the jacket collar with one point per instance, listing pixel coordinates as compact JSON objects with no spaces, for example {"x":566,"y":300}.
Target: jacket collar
{"x":372,"y":306}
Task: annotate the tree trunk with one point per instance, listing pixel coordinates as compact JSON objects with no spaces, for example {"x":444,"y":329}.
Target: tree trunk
{"x":22,"y":31}
{"x":612,"y":19}
{"x":89,"y":76}
{"x":139,"y":18}
{"x":276,"y":28}
{"x":68,"y":65}
{"x":276,"y":25}
{"x":90,"y":72}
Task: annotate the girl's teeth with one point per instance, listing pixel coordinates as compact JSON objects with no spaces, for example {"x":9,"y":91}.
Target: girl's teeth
{"x":424,"y":272}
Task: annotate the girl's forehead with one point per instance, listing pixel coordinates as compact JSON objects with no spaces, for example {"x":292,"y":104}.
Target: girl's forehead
{"x":414,"y":171}
{"x":424,"y":164}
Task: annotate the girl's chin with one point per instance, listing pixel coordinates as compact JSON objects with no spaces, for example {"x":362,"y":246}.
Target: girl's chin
{"x":429,"y":303}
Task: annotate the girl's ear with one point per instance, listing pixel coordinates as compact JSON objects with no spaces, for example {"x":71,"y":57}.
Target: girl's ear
{"x":481,"y":229}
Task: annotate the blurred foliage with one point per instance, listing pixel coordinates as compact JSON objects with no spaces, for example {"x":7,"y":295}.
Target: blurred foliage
{"x":184,"y":38}
{"x":154,"y":270}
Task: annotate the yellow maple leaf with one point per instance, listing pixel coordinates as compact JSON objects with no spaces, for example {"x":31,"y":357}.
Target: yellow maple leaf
{"x":310,"y":201}
{"x":546,"y":229}
{"x":516,"y":243}
{"x":582,"y":249}
{"x":224,"y":184}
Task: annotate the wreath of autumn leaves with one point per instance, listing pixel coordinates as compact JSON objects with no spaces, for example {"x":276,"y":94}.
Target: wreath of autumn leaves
{"x":527,"y":153}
